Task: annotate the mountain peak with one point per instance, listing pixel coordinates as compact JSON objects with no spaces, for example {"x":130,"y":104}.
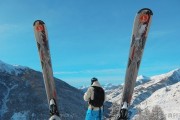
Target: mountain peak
{"x":11,"y":69}
{"x":174,"y":73}
{"x":140,"y":77}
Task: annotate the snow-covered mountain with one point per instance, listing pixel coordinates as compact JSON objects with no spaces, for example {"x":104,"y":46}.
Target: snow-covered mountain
{"x":23,"y":96}
{"x":11,"y":69}
{"x":162,"y":90}
{"x":106,"y":87}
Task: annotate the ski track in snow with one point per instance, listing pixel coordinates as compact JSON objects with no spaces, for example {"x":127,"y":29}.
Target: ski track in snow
{"x":4,"y":107}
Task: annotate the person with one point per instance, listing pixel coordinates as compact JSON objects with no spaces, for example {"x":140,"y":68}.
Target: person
{"x":95,"y":96}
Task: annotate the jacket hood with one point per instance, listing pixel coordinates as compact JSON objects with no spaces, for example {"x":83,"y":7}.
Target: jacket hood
{"x":96,"y":83}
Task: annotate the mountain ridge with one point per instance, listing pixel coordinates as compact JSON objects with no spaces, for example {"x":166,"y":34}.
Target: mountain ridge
{"x":23,"y":95}
{"x":144,"y":91}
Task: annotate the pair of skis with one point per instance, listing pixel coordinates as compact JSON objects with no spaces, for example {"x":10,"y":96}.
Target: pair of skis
{"x":139,"y":35}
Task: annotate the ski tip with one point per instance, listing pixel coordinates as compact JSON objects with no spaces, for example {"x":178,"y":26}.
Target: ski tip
{"x":146,"y":9}
{"x":39,"y":21}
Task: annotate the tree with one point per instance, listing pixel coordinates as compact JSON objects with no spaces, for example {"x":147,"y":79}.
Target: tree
{"x":143,"y":115}
{"x":157,"y":113}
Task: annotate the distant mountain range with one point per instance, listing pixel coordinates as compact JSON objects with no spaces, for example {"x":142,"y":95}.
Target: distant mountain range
{"x":23,"y":95}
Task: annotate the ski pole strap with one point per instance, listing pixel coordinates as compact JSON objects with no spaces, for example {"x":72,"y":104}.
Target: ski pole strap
{"x":99,"y":113}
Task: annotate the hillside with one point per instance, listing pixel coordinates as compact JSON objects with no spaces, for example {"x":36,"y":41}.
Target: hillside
{"x":162,"y":90}
{"x":23,"y":96}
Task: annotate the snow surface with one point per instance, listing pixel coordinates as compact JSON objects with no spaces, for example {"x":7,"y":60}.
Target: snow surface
{"x":162,"y":90}
{"x":168,"y":99}
{"x":11,"y":69}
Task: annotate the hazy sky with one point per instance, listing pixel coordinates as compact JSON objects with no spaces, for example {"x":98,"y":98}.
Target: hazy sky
{"x":90,"y":37}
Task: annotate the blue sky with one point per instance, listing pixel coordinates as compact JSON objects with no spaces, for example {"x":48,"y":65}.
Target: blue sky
{"x":90,"y":37}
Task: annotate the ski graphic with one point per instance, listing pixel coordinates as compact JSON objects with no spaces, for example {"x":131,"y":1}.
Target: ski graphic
{"x":139,"y":35}
{"x":45,"y":59}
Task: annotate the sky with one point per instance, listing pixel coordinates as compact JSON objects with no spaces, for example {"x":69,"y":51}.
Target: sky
{"x":90,"y":38}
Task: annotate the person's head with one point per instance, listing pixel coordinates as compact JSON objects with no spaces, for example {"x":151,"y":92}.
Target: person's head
{"x":93,"y":80}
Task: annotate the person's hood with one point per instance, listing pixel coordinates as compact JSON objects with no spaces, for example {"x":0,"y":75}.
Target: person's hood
{"x":96,"y":83}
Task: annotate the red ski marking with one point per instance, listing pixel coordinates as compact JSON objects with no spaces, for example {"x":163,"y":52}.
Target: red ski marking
{"x":132,"y":55}
{"x":39,"y":28}
{"x":129,"y":99}
{"x":143,"y":18}
{"x":54,"y":93}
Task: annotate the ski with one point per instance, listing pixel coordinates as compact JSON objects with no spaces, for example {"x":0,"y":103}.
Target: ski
{"x":139,"y":35}
{"x":41,"y":36}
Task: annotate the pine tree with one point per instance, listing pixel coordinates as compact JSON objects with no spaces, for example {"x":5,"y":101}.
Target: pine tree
{"x":157,"y":113}
{"x":143,"y":115}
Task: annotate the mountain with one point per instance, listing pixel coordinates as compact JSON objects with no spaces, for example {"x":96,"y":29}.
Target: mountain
{"x":106,"y":87}
{"x":162,"y":90}
{"x":23,"y":96}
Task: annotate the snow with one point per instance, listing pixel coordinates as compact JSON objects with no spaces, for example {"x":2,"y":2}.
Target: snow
{"x":109,"y":86}
{"x":11,"y":69}
{"x":167,"y":99}
{"x":106,"y":87}
{"x":141,"y":77}
{"x":84,"y":87}
{"x":5,"y":100}
{"x":163,"y":76}
{"x":147,"y":93}
{"x":162,"y":90}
